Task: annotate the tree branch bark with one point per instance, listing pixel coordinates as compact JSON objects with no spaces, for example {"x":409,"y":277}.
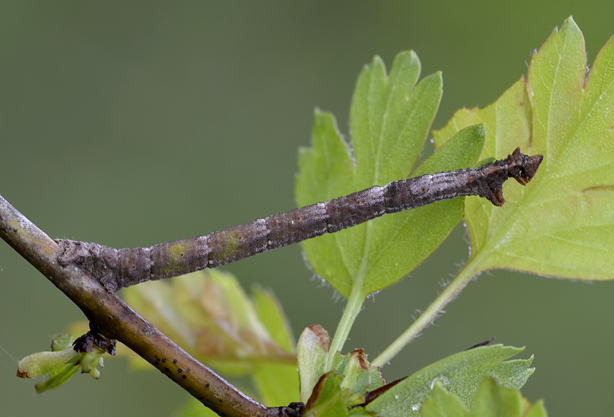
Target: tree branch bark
{"x":111,"y":317}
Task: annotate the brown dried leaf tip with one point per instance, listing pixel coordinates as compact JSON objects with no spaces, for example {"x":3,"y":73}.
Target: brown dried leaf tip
{"x":372,"y":395}
{"x":317,"y":390}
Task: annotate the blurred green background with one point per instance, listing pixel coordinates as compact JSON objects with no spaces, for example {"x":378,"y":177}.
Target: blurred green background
{"x":134,"y":123}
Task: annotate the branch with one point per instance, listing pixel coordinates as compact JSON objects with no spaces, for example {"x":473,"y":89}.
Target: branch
{"x":111,"y":317}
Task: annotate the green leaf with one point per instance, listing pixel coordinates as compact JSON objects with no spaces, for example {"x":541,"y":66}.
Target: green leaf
{"x":358,"y":375}
{"x":327,"y":399}
{"x":41,"y":363}
{"x":57,"y":378}
{"x":277,"y":384}
{"x":491,"y":401}
{"x":63,"y":342}
{"x":271,"y":315}
{"x":536,"y":410}
{"x":358,"y":412}
{"x":212,"y":318}
{"x":561,"y":224}
{"x":460,"y":374}
{"x":494,"y":401}
{"x":390,"y":118}
{"x":311,"y":352}
{"x":443,"y":404}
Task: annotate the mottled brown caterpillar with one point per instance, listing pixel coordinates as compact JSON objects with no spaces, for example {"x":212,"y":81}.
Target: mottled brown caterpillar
{"x":118,"y":268}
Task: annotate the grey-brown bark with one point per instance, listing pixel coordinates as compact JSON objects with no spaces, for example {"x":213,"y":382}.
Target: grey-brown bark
{"x":124,"y":267}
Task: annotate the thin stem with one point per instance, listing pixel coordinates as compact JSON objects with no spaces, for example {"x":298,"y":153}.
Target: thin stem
{"x":347,"y":320}
{"x":471,"y":269}
{"x":111,"y":317}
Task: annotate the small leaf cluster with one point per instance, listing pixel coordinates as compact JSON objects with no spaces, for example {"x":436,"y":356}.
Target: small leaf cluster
{"x":61,"y":364}
{"x":355,"y":387}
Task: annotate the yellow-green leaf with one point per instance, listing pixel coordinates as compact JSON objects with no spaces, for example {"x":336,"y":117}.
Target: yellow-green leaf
{"x":562,"y":223}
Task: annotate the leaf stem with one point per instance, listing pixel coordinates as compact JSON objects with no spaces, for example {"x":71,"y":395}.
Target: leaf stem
{"x":352,"y":309}
{"x":470,"y":270}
